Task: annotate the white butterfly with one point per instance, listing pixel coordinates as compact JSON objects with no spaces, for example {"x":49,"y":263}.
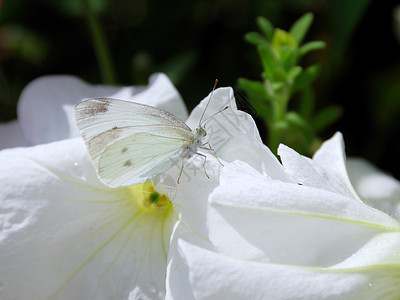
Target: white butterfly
{"x":131,"y":142}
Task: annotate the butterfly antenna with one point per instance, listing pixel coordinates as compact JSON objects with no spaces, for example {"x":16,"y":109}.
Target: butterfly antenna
{"x":212,"y":92}
{"x":226,"y":107}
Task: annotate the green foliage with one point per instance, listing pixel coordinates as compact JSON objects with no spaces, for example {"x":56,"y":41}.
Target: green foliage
{"x":283,"y":77}
{"x":300,"y":27}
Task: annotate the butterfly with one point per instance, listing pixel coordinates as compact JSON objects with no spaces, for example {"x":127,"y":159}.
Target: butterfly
{"x":130,"y":142}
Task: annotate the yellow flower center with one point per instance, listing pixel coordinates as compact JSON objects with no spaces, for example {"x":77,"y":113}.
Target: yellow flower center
{"x":147,"y":199}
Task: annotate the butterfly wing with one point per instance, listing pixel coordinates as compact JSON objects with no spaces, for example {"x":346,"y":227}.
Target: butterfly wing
{"x":98,"y":115}
{"x":151,"y":135}
{"x":135,"y":158}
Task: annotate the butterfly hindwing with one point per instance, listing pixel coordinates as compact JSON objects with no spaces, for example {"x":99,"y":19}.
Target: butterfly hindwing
{"x":135,"y":158}
{"x":97,"y":144}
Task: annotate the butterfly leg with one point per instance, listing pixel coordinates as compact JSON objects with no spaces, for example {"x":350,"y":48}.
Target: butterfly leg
{"x":180,"y":173}
{"x":212,"y":151}
{"x":204,"y":164}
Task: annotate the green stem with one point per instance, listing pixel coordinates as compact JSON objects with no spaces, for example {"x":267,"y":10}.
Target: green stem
{"x":273,"y":140}
{"x":279,"y":109}
{"x":100,"y":46}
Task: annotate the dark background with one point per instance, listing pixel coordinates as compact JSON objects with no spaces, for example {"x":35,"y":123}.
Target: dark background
{"x":195,"y":42}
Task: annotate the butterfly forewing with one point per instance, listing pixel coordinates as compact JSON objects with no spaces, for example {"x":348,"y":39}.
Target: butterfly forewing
{"x":97,"y":115}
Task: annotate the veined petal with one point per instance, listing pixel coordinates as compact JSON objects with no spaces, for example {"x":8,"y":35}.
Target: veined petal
{"x":177,"y":282}
{"x":216,"y":276}
{"x":382,"y":250}
{"x":332,"y":157}
{"x":234,"y":135}
{"x":46,"y":105}
{"x":190,"y":196}
{"x":278,"y":222}
{"x":11,"y":135}
{"x":190,"y":202}
{"x":375,"y":187}
{"x":327,"y":169}
{"x":64,"y":237}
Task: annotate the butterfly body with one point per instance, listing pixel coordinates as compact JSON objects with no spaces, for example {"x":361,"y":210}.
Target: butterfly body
{"x":192,"y":146}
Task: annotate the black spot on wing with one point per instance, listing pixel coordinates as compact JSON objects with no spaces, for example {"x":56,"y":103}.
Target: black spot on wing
{"x":124,"y":150}
{"x":128,"y":163}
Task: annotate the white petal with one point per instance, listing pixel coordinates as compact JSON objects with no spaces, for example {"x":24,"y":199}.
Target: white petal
{"x":273,"y":221}
{"x":45,"y":109}
{"x":190,"y":196}
{"x":234,"y":135}
{"x":332,"y":157}
{"x":381,"y":250}
{"x":327,"y":169}
{"x":376,"y":188}
{"x":215,"y":276}
{"x":190,"y":200}
{"x":64,"y":237}
{"x":11,"y":135}
{"x":177,"y":282}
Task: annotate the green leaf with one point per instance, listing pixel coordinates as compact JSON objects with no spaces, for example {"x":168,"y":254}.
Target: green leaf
{"x":326,"y":117}
{"x":307,"y":103}
{"x":311,"y":46}
{"x":268,"y":60}
{"x":255,"y":39}
{"x":288,"y":56}
{"x":278,"y":86}
{"x":294,"y":72}
{"x":262,"y":109}
{"x":257,"y":97}
{"x":305,"y":78}
{"x":266,"y":27}
{"x":295,"y":121}
{"x":281,"y":126}
{"x":300,"y":27}
{"x":254,"y":89}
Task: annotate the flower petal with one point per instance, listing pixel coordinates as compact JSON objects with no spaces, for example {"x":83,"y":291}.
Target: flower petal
{"x":11,"y":135}
{"x":327,"y":169}
{"x":190,"y":201}
{"x":64,"y":235}
{"x":376,"y":188}
{"x":233,"y":134}
{"x":190,"y":196}
{"x":216,"y":276}
{"x":332,"y":157}
{"x":46,"y":105}
{"x":273,"y":221}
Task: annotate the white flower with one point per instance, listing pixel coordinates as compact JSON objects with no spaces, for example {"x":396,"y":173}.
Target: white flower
{"x":45,"y":108}
{"x":376,"y":188}
{"x":304,"y":234}
{"x":64,"y":235}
